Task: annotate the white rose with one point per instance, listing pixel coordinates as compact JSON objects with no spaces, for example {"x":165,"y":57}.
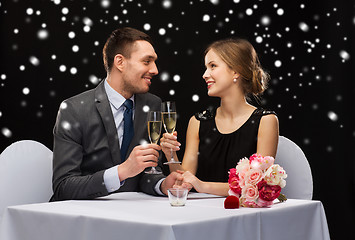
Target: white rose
{"x":275,"y":175}
{"x":243,"y":165}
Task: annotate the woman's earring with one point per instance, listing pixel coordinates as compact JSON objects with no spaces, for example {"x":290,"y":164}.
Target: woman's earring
{"x":235,"y":80}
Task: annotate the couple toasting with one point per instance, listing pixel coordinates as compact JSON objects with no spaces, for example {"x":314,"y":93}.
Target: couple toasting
{"x":94,"y":154}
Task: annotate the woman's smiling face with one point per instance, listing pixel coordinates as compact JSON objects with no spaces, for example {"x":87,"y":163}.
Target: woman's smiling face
{"x":218,"y":76}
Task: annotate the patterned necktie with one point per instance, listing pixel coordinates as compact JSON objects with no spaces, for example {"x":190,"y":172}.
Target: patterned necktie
{"x":128,"y":130}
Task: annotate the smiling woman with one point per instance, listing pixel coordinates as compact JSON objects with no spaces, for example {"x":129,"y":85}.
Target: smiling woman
{"x":217,"y":138}
{"x":238,"y":57}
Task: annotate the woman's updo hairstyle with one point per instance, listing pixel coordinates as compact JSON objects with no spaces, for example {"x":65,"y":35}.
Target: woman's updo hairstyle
{"x":240,"y":56}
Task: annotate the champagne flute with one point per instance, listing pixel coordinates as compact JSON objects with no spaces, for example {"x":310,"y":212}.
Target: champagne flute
{"x":168,"y":111}
{"x":154,"y":130}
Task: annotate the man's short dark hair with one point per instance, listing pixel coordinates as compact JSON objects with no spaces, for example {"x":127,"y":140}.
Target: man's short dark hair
{"x":121,"y":41}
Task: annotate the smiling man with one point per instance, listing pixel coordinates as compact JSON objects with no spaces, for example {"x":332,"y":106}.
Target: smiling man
{"x":98,"y":134}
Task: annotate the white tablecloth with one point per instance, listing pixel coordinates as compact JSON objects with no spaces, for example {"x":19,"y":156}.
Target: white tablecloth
{"x":140,"y":216}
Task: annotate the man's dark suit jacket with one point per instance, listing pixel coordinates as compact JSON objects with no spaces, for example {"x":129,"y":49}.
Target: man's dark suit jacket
{"x":86,"y":144}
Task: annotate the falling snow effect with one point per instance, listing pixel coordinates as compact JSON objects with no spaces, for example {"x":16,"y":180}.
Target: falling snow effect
{"x":176,"y":78}
{"x":34,"y":60}
{"x":26,"y":91}
{"x":280,"y":11}
{"x":42,"y":34}
{"x":278,"y":63}
{"x":162,"y":31}
{"x":206,"y":18}
{"x":73,"y":70}
{"x":167,"y":4}
{"x":87,"y":21}
{"x":304,"y":27}
{"x":146,"y":108}
{"x":195,"y":98}
{"x":71,"y":35}
{"x":164,"y":76}
{"x":275,"y":45}
{"x":344,"y":55}
{"x":6,"y":132}
{"x":94,"y":80}
{"x":143,"y":142}
{"x":332,"y":116}
{"x":265,"y":20}
{"x":63,"y":105}
{"x":105,"y":3}
{"x":146,"y":26}
{"x":75,"y":48}
{"x":66,"y":125}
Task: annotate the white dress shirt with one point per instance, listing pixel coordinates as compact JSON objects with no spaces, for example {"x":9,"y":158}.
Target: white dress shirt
{"x":111,"y":178}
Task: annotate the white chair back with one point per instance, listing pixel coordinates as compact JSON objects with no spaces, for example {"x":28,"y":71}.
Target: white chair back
{"x":25,"y":174}
{"x":299,"y":183}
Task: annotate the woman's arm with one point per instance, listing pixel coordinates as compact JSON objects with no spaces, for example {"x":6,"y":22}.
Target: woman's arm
{"x":190,"y":162}
{"x":268,"y":135}
{"x":216,"y":188}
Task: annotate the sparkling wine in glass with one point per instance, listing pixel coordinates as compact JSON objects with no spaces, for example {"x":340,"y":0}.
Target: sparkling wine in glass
{"x":154,"y":130}
{"x":168,"y":111}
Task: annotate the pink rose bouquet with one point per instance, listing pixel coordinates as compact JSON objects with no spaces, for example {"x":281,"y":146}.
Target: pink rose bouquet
{"x":257,"y":181}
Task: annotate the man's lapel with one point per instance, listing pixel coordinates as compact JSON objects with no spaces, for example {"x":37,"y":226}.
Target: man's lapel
{"x":103,"y":106}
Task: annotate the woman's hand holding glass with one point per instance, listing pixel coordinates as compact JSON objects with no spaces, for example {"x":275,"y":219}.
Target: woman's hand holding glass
{"x":169,"y":144}
{"x":168,"y":110}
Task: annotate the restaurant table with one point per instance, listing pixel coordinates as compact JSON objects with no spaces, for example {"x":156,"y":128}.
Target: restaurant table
{"x":134,"y":215}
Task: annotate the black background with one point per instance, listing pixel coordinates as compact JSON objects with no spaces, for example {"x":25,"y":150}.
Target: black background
{"x":311,"y":91}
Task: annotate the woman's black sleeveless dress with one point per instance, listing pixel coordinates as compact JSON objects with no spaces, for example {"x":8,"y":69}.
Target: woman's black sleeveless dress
{"x":220,"y":152}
